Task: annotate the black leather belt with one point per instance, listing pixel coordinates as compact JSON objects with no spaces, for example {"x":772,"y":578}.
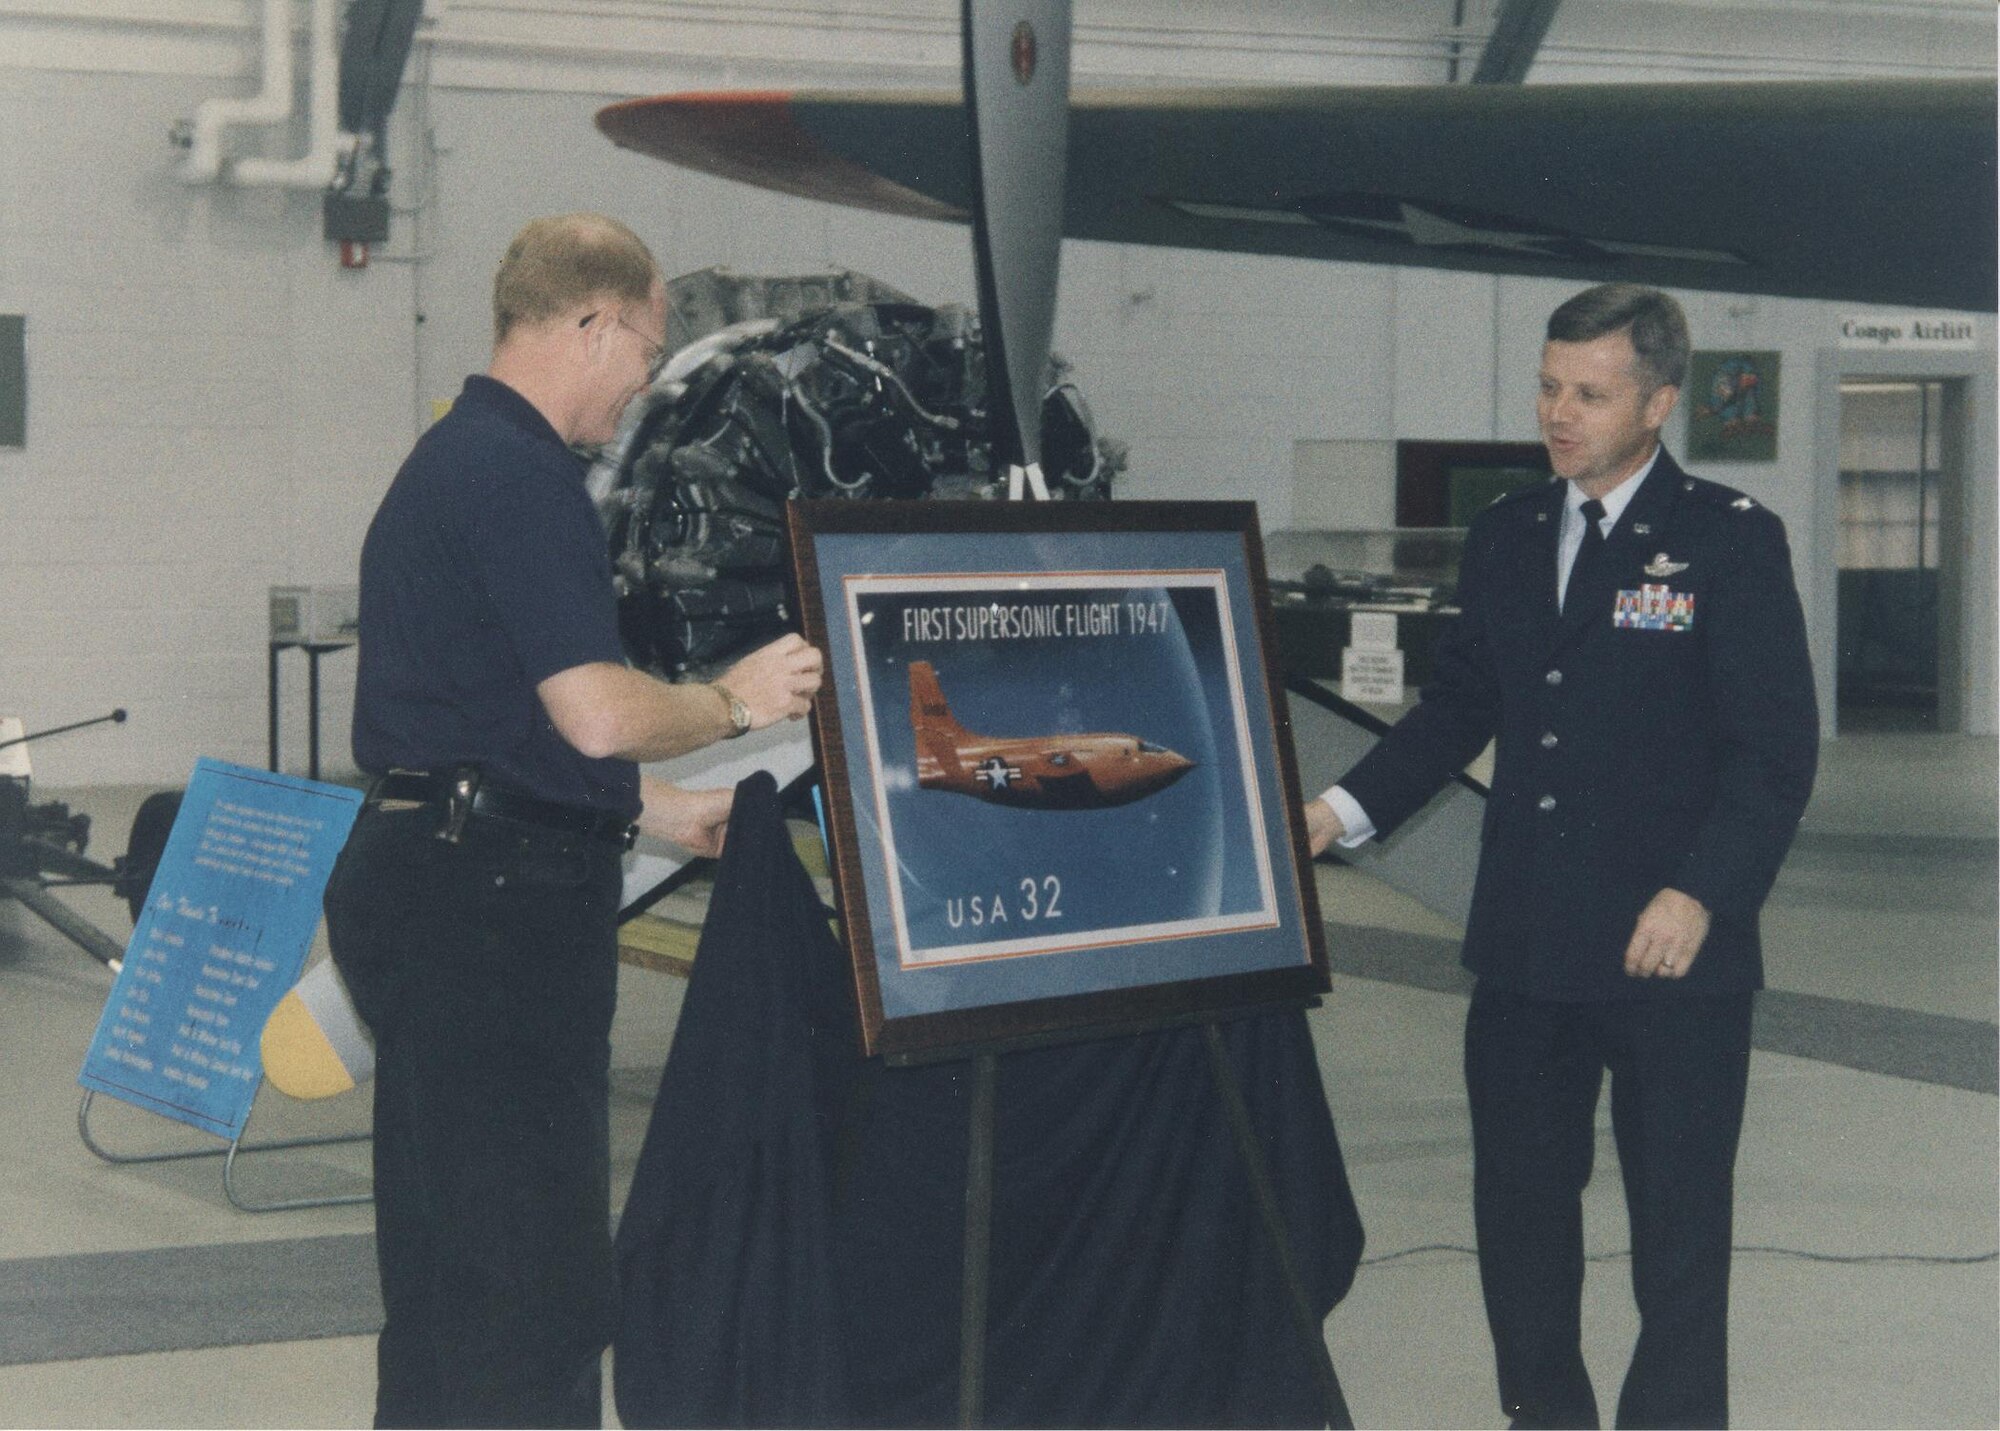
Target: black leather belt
{"x":458,"y":794}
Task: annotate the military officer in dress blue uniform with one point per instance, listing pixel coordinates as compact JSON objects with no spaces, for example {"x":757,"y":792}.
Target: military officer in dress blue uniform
{"x":1632,"y":641}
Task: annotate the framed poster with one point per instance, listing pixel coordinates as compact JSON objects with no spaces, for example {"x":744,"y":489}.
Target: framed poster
{"x":1061,"y":794}
{"x":1732,"y":403}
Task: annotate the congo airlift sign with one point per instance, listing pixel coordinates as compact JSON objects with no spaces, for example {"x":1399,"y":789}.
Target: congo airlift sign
{"x":1908,"y":331}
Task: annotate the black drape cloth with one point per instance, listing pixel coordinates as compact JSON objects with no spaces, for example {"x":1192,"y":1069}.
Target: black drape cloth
{"x":792,"y":1246}
{"x":730,"y":1307}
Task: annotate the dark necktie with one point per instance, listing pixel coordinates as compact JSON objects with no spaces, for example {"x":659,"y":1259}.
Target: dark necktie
{"x":1588,"y":556}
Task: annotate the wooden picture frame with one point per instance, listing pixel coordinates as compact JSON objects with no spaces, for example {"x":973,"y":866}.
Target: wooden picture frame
{"x":1061,"y":796}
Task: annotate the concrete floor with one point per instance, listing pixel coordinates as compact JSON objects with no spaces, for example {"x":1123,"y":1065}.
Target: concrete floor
{"x":1861,"y":1197}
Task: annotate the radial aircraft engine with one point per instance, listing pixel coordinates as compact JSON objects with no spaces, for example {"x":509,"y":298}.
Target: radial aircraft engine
{"x":869,"y":397}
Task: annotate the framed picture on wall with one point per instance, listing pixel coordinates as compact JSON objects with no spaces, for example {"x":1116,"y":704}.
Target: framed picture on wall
{"x":1061,"y":795}
{"x":1732,"y":406}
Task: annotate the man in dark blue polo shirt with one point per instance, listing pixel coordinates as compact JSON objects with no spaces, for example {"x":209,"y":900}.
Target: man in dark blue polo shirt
{"x":473,"y":913}
{"x":1631,"y":640}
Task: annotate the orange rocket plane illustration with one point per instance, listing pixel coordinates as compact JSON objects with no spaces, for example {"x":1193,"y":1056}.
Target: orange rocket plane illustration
{"x":1036,"y":772}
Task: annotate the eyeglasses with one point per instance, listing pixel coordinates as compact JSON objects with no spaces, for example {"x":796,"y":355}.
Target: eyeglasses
{"x":656,"y":352}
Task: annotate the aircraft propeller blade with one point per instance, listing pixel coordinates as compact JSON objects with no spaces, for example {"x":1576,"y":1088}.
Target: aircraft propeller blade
{"x":1017,"y":94}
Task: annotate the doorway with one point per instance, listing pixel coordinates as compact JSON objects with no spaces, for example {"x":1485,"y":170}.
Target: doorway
{"x":1900,"y":514}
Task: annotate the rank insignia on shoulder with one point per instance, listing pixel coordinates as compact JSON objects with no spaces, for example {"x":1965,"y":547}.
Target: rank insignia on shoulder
{"x":1661,"y":566}
{"x":1654,"y":608}
{"x":1743,"y":504}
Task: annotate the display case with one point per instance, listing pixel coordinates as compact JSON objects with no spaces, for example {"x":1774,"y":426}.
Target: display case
{"x":1321,"y":579}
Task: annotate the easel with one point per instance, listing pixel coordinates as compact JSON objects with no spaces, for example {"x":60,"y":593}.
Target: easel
{"x":979,"y":1180}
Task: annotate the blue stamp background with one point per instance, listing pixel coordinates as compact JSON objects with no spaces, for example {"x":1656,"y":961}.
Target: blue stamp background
{"x":1182,"y":853}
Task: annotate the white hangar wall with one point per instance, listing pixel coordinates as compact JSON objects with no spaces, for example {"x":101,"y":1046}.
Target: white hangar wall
{"x":211,"y":406}
{"x":215,"y":406}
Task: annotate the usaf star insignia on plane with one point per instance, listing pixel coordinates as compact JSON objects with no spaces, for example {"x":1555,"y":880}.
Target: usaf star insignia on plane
{"x":996,"y":772}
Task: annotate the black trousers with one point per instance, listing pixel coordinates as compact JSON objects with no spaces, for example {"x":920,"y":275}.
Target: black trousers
{"x":487,"y":971}
{"x":1679,"y":1068}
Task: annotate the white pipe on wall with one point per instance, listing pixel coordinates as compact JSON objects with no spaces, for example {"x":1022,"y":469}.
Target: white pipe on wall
{"x":315,"y":168}
{"x":272,"y":104}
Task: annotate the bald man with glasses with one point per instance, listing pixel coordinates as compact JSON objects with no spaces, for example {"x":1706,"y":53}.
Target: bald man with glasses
{"x":474,"y":911}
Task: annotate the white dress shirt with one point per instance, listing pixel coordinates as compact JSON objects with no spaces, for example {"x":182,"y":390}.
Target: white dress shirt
{"x":1615,"y":502}
{"x":1353,"y":819}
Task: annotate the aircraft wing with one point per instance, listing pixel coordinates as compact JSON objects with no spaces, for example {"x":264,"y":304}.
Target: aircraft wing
{"x":1878,"y":191}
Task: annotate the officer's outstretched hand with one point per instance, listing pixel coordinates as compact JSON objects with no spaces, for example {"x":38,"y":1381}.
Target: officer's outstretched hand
{"x":775,"y":682}
{"x":696,"y":820}
{"x":1668,"y":937}
{"x":1323,"y":827}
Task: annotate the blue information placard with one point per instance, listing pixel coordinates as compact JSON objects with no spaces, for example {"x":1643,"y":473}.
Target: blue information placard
{"x":224,"y":935}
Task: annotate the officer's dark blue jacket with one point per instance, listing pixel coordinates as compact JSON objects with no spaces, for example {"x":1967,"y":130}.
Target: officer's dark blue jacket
{"x":1672,"y":746}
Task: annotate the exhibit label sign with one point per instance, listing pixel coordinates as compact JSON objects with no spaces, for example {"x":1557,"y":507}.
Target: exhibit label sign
{"x":1371,"y":677}
{"x":227,"y":925}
